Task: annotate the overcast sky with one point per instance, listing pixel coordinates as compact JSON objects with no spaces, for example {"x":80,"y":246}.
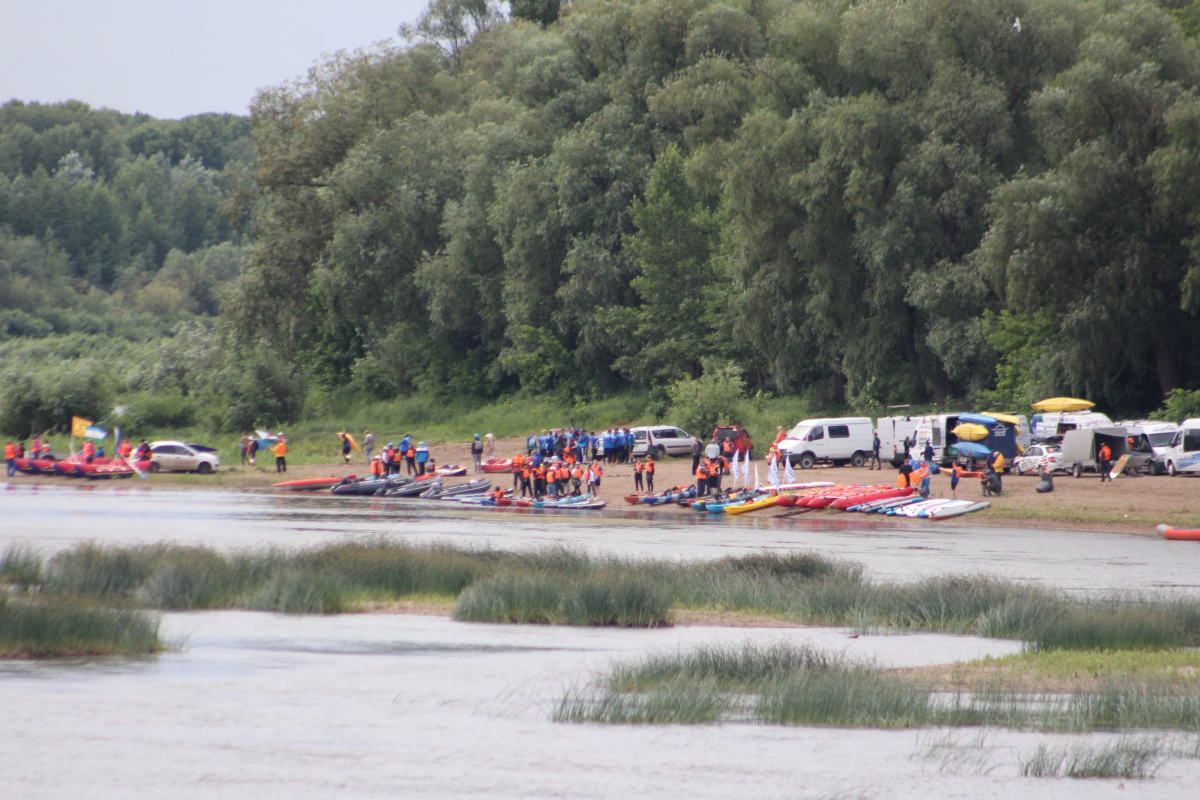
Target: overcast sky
{"x":173,"y":59}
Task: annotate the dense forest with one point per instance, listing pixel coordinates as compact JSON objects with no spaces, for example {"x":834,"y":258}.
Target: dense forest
{"x":859,"y":203}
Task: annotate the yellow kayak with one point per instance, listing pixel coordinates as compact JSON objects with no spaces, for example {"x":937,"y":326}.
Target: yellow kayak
{"x":752,"y":505}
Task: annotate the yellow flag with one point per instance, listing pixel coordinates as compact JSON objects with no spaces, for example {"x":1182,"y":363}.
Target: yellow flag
{"x":79,"y":427}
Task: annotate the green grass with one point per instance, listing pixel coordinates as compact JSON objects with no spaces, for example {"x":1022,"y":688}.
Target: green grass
{"x":1131,"y":758}
{"x":50,"y":626}
{"x":603,"y":599}
{"x":1179,"y":666}
{"x":788,"y":685}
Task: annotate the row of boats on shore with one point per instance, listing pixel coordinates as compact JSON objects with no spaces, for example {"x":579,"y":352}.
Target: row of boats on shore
{"x":77,"y":466}
{"x":812,"y":496}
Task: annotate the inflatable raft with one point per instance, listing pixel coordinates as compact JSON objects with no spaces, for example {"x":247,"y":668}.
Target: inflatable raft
{"x":1179,"y":534}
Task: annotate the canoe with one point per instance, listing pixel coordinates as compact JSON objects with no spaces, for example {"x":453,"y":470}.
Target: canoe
{"x":844,"y":503}
{"x":670,"y":496}
{"x":309,"y":484}
{"x":656,"y":499}
{"x":903,"y":501}
{"x":497,"y":465}
{"x":1179,"y":534}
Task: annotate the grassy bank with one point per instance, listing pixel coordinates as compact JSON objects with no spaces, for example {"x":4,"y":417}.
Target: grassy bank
{"x":50,"y":626}
{"x":560,"y":585}
{"x":796,"y":685}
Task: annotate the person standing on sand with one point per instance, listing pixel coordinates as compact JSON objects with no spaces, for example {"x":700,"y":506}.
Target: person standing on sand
{"x":10,"y":457}
{"x":421,"y":454}
{"x":368,"y":444}
{"x":489,"y":446}
{"x":244,"y":447}
{"x":1104,"y":456}
{"x":281,"y":454}
{"x":875,"y":462}
{"x":954,"y":482}
{"x":696,"y":452}
{"x":477,"y":453}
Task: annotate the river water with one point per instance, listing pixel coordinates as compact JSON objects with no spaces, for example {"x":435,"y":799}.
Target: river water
{"x":275,"y":706}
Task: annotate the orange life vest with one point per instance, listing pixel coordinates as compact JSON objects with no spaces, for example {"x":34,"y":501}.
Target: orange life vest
{"x":578,"y":473}
{"x":702,"y":472}
{"x":10,"y":452}
{"x":281,"y":450}
{"x":639,"y":466}
{"x":376,"y":467}
{"x":518,"y":460}
{"x":650,"y":467}
{"x":412,"y":452}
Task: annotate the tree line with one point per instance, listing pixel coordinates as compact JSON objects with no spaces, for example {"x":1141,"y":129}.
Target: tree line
{"x":868,"y":202}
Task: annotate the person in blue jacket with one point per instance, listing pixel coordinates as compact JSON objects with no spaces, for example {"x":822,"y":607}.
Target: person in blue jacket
{"x":531,"y":444}
{"x":422,"y":457}
{"x":582,"y":443}
{"x":610,"y":448}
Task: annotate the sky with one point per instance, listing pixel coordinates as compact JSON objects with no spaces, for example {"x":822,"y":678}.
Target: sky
{"x":173,"y":59}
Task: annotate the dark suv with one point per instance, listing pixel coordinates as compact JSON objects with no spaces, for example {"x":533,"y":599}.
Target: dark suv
{"x":739,"y":435}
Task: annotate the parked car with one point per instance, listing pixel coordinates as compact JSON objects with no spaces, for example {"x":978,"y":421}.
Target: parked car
{"x":836,"y":440}
{"x":1153,"y":438}
{"x":1037,"y":457}
{"x":740,"y":437}
{"x":175,"y":456}
{"x":658,"y":441}
{"x":1184,"y":453}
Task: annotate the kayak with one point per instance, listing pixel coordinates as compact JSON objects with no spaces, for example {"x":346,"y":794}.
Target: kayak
{"x":733,"y":502}
{"x":440,"y":492}
{"x":310,"y":484}
{"x":1179,"y":534}
{"x":955,"y":509}
{"x":713,"y":501}
{"x":890,"y":504}
{"x":497,"y":465}
{"x":670,"y":496}
{"x":653,"y":499}
{"x":844,"y":503}
{"x":915,"y":509}
{"x":752,"y":505}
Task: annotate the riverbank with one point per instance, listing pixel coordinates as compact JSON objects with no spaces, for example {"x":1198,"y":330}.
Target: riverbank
{"x":1128,"y":505}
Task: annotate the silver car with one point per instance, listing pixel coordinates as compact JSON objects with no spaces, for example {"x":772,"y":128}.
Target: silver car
{"x":175,"y":456}
{"x":658,"y":441}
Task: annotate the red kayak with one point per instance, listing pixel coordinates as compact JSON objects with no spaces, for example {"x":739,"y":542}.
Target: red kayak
{"x":310,"y":484}
{"x":103,"y":471}
{"x":497,"y":465}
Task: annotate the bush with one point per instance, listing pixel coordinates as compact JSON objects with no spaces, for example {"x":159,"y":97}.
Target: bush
{"x":45,"y":399}
{"x":700,"y":405}
{"x":47,"y":626}
{"x":1180,"y":405}
{"x":168,"y":409}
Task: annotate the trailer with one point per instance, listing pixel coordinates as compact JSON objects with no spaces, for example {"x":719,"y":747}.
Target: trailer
{"x":1079,"y":447}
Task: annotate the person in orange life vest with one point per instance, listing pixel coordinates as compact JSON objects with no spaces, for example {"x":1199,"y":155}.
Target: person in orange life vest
{"x":713,"y":468}
{"x":576,"y":480}
{"x":10,"y":458}
{"x":89,"y":450}
{"x":1104,"y":456}
{"x":143,"y":451}
{"x":126,"y":449}
{"x":498,"y":494}
{"x":518,"y":461}
{"x":35,"y":447}
{"x":281,"y":455}
{"x":650,"y":475}
{"x":727,"y":448}
{"x":377,"y":467}
{"x":638,"y":469}
{"x":564,"y":478}
{"x":526,"y":478}
{"x":595,"y":473}
{"x":702,"y":480}
{"x":779,"y":436}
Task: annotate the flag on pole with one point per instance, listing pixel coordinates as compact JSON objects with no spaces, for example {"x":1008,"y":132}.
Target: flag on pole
{"x":756,"y":481}
{"x":93,"y":432}
{"x":789,"y":475}
{"x":733,"y":468}
{"x":773,"y":473}
{"x":79,"y":427}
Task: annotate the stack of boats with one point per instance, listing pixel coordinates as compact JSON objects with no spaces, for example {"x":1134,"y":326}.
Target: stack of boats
{"x":76,"y":466}
{"x":476,"y":492}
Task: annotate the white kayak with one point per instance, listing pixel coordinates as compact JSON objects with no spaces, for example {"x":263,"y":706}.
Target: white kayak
{"x":955,"y":509}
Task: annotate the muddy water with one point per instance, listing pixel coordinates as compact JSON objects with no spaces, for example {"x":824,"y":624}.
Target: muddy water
{"x":55,"y":517}
{"x":272,"y":706}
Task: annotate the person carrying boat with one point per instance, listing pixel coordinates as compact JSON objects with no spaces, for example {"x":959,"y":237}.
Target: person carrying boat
{"x":477,"y":453}
{"x":345,"y":447}
{"x":281,"y":454}
{"x":421,"y":454}
{"x":650,"y":475}
{"x":638,"y":469}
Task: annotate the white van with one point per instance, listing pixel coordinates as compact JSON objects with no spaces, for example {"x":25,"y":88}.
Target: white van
{"x":1184,"y":453}
{"x":836,"y":440}
{"x":1151,"y":437}
{"x":935,"y":429}
{"x":1043,"y":426}
{"x":892,"y":433}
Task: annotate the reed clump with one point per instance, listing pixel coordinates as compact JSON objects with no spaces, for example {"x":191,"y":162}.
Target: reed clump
{"x":602,"y":599}
{"x":50,"y":626}
{"x":1131,"y":758}
{"x":794,"y":685}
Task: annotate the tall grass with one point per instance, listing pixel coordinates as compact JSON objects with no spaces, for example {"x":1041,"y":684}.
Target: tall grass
{"x":1125,"y":758}
{"x":789,"y":685}
{"x":565,"y":585}
{"x":55,"y":626}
